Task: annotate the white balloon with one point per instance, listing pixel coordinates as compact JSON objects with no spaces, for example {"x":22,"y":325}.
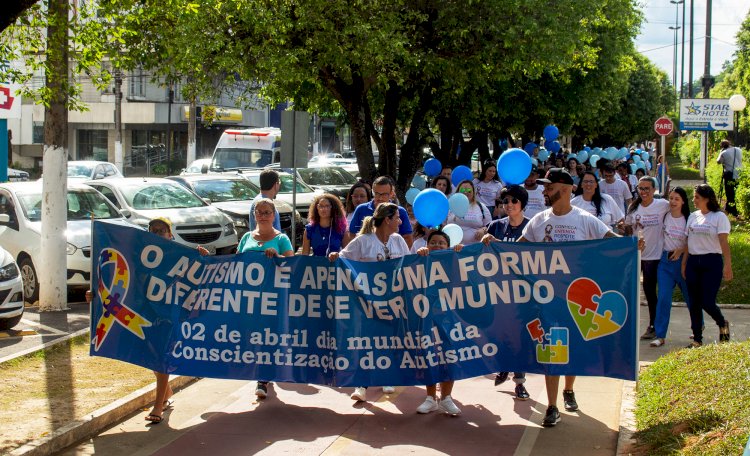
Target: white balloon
{"x":454,"y":232}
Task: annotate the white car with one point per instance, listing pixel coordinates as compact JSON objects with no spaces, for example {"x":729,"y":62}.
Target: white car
{"x":11,"y":289}
{"x":197,"y":167}
{"x":90,"y":169}
{"x":194,"y":221}
{"x":16,"y":175}
{"x":21,"y":226}
{"x":304,"y":197}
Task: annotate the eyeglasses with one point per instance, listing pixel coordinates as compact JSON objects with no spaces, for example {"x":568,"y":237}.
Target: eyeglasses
{"x":382,"y":195}
{"x":263,"y":213}
{"x":588,"y":181}
{"x":510,"y":200}
{"x":644,"y":189}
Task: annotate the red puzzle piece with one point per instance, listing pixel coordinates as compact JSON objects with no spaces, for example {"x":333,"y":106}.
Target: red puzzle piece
{"x":581,"y":292}
{"x":535,"y":330}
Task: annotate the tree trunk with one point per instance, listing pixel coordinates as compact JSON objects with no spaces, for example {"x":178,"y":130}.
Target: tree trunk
{"x":387,"y":145}
{"x":192,"y":133}
{"x":52,"y":267}
{"x":411,"y":153}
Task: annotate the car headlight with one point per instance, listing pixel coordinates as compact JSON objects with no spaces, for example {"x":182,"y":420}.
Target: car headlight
{"x":71,"y":249}
{"x":240,"y":221}
{"x":9,"y":271}
{"x":228,"y":229}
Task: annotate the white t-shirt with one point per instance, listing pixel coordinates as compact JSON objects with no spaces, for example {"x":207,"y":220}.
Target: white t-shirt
{"x":576,"y":225}
{"x":418,"y":244}
{"x":650,"y":220}
{"x":487,"y":192}
{"x":703,"y":232}
{"x":618,"y":190}
{"x":610,"y":212}
{"x":536,"y":202}
{"x":674,"y":232}
{"x":367,"y":247}
{"x":475,"y":219}
{"x":731,"y":159}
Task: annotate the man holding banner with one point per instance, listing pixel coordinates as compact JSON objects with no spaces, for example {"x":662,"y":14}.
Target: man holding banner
{"x":561,"y":222}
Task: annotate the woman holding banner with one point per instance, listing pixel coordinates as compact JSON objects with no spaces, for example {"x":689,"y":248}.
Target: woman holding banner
{"x":325,"y":232}
{"x":596,"y":203}
{"x":438,"y":240}
{"x":378,"y":240}
{"x":265,"y":238}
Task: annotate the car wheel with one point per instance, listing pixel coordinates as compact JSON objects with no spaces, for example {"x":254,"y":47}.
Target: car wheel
{"x":30,"y":280}
{"x":8,"y":323}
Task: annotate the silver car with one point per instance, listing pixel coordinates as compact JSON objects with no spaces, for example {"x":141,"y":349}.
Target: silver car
{"x":194,"y":221}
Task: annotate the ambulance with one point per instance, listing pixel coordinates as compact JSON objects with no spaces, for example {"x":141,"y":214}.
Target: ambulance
{"x":247,"y":148}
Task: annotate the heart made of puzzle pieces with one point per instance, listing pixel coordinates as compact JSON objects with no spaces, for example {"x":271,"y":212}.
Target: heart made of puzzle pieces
{"x":595,"y":313}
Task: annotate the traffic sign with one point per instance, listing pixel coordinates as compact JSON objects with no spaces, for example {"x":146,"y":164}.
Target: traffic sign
{"x":705,"y":114}
{"x":663,"y":126}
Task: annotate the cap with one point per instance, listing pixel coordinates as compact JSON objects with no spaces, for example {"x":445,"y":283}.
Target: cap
{"x":164,"y":220}
{"x":534,"y":169}
{"x":556,"y":176}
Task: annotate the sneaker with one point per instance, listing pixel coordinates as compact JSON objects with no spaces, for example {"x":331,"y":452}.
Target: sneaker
{"x":448,"y":407}
{"x":501,"y":377}
{"x":359,"y":394}
{"x":658,"y":342}
{"x":552,"y":417}
{"x":261,"y":390}
{"x":649,"y":334}
{"x":389,"y":389}
{"x":429,"y":405}
{"x":521,"y":393}
{"x":694,"y":344}
{"x":570,"y":401}
{"x":724,"y":332}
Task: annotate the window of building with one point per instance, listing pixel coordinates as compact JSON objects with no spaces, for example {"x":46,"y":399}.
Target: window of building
{"x":92,"y":145}
{"x":37,"y":133}
{"x":137,"y":83}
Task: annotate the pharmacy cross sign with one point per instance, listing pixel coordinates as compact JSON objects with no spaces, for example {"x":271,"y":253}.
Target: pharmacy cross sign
{"x":6,"y":101}
{"x":663,"y":126}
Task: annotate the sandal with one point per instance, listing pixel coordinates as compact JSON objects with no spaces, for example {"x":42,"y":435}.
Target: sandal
{"x":169,"y":403}
{"x":154,"y":419}
{"x":724,"y":332}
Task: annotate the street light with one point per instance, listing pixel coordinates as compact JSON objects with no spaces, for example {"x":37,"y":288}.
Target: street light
{"x":676,"y":27}
{"x":737,"y":103}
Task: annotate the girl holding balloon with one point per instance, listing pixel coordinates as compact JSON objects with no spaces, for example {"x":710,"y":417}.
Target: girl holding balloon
{"x":476,"y":218}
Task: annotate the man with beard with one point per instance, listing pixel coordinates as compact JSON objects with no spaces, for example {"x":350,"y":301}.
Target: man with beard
{"x":561,"y":222}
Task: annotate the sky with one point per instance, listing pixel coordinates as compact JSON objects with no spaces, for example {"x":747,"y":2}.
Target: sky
{"x":656,"y":40}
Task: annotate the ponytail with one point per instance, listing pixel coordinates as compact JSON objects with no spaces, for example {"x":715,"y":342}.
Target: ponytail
{"x":368,"y":225}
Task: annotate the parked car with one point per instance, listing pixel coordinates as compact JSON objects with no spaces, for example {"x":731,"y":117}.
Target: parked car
{"x":89,"y":169}
{"x":232,"y":194}
{"x":199,"y":166}
{"x":305,"y":194}
{"x":330,"y":179}
{"x":194,"y":221}
{"x":20,"y":230}
{"x":11,"y":288}
{"x":15,"y":175}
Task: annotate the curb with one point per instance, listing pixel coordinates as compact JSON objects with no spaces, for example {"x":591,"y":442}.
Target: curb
{"x":721,"y":306}
{"x":96,"y":421}
{"x":44,"y":346}
{"x":626,"y":442}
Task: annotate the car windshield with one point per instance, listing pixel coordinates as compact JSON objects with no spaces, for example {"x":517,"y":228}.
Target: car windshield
{"x":82,"y":205}
{"x":287,"y":184}
{"x":197,"y":166}
{"x":240,"y":158}
{"x":220,"y":190}
{"x":159,"y":195}
{"x":80,"y":170}
{"x":326,"y":176}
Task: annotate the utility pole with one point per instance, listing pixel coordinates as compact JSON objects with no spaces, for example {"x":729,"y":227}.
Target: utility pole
{"x":170,"y":97}
{"x":192,"y":131}
{"x":690,"y":63}
{"x":708,"y":82}
{"x":118,"y":119}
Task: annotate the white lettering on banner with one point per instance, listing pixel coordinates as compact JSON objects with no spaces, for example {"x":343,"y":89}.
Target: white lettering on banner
{"x":517,"y":291}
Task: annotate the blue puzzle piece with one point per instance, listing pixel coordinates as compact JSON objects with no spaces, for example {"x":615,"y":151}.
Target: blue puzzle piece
{"x":613,"y":303}
{"x":558,"y":335}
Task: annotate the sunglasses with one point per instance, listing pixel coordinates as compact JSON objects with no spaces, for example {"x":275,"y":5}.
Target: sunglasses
{"x":465,"y":190}
{"x":263,"y":213}
{"x":510,"y":200}
{"x":387,"y":252}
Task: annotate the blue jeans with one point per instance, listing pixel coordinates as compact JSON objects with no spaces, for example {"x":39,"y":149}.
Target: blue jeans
{"x":703,"y":276}
{"x":668,"y":275}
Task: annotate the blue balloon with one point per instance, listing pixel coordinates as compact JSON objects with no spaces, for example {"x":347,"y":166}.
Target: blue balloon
{"x":419,"y":181}
{"x":543,"y":154}
{"x":555,"y":147}
{"x":636,"y":159}
{"x":458,"y":204}
{"x":411,"y":194}
{"x":432,"y":167}
{"x":431,"y":207}
{"x":645,"y":156}
{"x":460,"y":174}
{"x":633,"y":168}
{"x":587,"y":149}
{"x":573,"y":156}
{"x":638,"y":151}
{"x":529,"y":147}
{"x":641,"y":165}
{"x":593,"y":159}
{"x":551,"y":132}
{"x":583,"y":156}
{"x":598,"y":151}
{"x":514,"y":166}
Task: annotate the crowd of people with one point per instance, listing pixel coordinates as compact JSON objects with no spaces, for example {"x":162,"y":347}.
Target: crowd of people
{"x":678,"y":248}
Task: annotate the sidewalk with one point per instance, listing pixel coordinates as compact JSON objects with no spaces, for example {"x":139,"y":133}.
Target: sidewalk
{"x":222,"y":416}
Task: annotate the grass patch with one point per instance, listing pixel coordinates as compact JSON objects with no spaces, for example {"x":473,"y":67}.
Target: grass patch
{"x":695,"y":402}
{"x":681,"y":171}
{"x":48,"y":389}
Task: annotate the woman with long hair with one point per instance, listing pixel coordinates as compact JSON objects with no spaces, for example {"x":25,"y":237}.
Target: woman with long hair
{"x":487,"y":186}
{"x":669,"y":272}
{"x":360,"y":193}
{"x":707,"y":262}
{"x":443,"y":184}
{"x":645,"y":219}
{"x":327,"y":224}
{"x":476,"y":218}
{"x":572,"y":166}
{"x":596,"y":203}
{"x":267,"y":239}
{"x":378,"y":240}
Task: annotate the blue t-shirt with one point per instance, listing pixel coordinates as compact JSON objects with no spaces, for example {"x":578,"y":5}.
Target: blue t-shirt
{"x":367,"y":209}
{"x":280,"y":243}
{"x":323,"y":240}
{"x":502,"y":230}
{"x":251,"y":224}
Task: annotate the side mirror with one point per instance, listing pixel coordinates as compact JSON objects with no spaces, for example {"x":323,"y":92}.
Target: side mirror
{"x":4,"y":218}
{"x":204,"y":169}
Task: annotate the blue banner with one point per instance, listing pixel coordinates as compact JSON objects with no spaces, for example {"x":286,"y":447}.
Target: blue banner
{"x":562,"y":309}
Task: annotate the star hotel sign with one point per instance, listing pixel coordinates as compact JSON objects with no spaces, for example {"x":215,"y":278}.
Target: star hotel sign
{"x":705,"y":114}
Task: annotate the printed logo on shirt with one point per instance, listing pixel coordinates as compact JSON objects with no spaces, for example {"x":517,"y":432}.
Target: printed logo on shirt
{"x":559,"y":233}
